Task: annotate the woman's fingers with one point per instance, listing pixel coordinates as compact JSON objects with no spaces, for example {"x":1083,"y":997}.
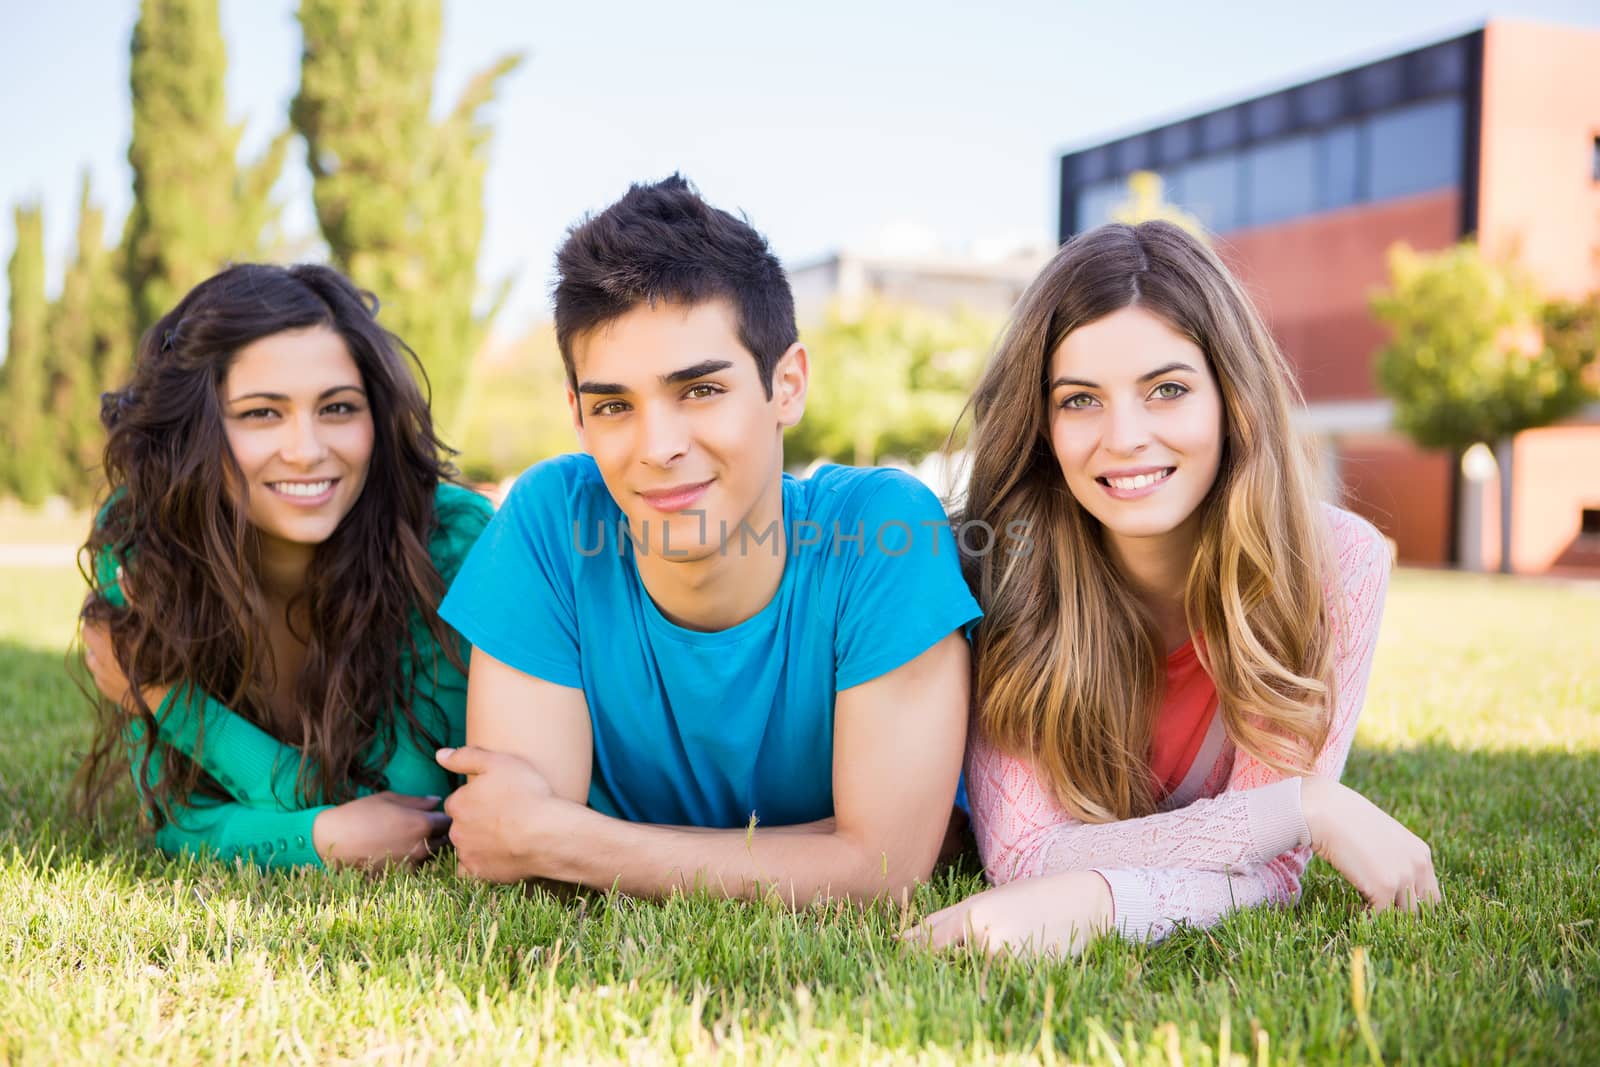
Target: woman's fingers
{"x":943,"y":929}
{"x":406,"y":800}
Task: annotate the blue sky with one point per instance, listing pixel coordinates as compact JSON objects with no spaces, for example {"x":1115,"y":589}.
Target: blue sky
{"x":826,"y":122}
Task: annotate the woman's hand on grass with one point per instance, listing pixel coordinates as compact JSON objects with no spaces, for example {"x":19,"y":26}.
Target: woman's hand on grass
{"x":374,"y":831}
{"x":1056,"y":914}
{"x":1388,"y":864}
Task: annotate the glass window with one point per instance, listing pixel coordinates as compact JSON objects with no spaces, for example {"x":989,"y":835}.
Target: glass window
{"x":1175,"y":142}
{"x":1133,"y":154}
{"x":1381,"y":84}
{"x":1414,"y":149}
{"x":1220,"y":129}
{"x":1280,"y":180}
{"x":1321,"y":101}
{"x":1339,"y":167}
{"x":1096,"y":201}
{"x":1440,"y":69}
{"x":1210,"y":190}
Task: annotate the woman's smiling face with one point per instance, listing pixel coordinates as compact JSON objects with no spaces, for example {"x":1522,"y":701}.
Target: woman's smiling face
{"x":299,"y":425}
{"x":1135,"y":423}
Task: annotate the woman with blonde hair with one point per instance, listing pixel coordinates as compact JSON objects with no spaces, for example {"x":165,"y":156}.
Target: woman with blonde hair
{"x":1173,"y":658}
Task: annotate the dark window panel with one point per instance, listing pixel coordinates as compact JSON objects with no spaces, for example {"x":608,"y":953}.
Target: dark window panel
{"x":1174,"y":143}
{"x":1133,"y":153}
{"x":1440,"y":69}
{"x":1381,"y":85}
{"x":1339,"y":167}
{"x":1321,"y":101}
{"x":1269,"y":116}
{"x":1219,"y":130}
{"x":1093,"y":165}
{"x":1414,"y":149}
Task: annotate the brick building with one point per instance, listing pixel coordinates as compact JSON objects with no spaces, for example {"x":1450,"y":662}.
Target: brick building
{"x":1493,"y":134}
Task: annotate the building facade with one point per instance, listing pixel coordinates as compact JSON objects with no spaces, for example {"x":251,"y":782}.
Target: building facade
{"x":1494,"y":135}
{"x":847,"y":280}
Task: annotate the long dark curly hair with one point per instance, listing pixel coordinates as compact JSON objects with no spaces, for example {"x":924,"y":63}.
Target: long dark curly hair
{"x":175,"y":519}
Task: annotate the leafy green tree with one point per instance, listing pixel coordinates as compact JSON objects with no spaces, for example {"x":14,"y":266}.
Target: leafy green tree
{"x":516,"y":396}
{"x":890,"y":380}
{"x":1146,"y":202}
{"x":1475,"y":355}
{"x":194,"y":207}
{"x":90,"y":347}
{"x":399,"y":197}
{"x":29,"y":454}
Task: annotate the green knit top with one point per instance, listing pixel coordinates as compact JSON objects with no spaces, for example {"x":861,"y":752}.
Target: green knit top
{"x":266,"y":822}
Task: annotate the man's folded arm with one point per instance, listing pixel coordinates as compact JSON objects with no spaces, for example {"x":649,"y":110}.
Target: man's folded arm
{"x":538,"y":721}
{"x":897,"y":755}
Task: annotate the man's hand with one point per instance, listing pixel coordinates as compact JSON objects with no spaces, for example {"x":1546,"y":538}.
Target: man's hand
{"x":1054,"y":915}
{"x":506,"y":819}
{"x":1387,"y":863}
{"x":374,"y":831}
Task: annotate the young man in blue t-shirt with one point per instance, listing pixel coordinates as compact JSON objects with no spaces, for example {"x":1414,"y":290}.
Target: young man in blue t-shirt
{"x":689,"y":668}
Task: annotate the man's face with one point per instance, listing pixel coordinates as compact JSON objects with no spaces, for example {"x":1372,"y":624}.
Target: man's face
{"x":671,"y":406}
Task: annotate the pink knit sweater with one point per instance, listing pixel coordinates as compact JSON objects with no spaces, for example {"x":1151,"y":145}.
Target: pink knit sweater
{"x":1233,"y":835}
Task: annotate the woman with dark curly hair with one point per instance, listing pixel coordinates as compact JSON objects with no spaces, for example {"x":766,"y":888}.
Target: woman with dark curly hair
{"x":280,"y":528}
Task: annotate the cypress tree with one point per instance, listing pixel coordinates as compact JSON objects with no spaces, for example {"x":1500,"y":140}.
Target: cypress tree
{"x":399,"y":197}
{"x":29,"y":455}
{"x":90,"y":345}
{"x":194,"y":209}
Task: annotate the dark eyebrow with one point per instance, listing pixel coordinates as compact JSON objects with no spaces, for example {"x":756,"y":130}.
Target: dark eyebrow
{"x":699,"y":370}
{"x":1158,"y":372}
{"x":281,"y":398}
{"x":1168,"y":369}
{"x":687,"y":374}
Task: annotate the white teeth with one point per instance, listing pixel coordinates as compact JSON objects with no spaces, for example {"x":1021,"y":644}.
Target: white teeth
{"x":1138,"y":481}
{"x":302,"y":488}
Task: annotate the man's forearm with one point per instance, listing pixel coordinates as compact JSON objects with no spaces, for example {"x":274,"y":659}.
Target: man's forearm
{"x":799,"y":863}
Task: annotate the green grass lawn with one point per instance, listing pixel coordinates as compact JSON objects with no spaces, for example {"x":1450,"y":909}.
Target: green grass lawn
{"x":1482,"y":732}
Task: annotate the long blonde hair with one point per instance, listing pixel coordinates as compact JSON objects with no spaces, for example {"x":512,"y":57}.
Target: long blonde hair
{"x":1070,"y":664}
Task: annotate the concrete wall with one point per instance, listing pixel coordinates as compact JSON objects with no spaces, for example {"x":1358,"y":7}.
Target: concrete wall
{"x":1540,"y":202}
{"x":1541,"y":114}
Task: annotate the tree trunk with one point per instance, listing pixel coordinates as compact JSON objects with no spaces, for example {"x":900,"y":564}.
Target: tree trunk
{"x":1502,"y":458}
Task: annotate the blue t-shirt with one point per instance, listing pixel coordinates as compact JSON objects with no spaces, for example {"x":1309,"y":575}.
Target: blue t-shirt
{"x":707,"y":729}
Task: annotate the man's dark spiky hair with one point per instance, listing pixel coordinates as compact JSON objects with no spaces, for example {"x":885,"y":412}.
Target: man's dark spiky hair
{"x":662,"y":242}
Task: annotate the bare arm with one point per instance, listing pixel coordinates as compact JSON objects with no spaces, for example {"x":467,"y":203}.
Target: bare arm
{"x":897,"y":751}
